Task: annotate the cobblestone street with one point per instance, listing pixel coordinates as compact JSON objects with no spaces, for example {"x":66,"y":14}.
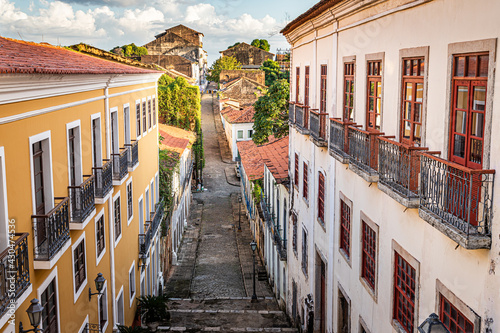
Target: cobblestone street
{"x":211,"y":287}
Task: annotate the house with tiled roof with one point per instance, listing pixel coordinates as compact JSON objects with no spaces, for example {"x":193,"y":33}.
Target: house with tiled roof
{"x":79,"y":181}
{"x":249,"y":56}
{"x":177,"y":143}
{"x":238,"y":125}
{"x":244,"y":89}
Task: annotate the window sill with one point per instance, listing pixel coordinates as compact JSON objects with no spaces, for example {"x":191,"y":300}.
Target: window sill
{"x":321,"y":223}
{"x":345,"y":256}
{"x":79,"y":292}
{"x":371,"y":292}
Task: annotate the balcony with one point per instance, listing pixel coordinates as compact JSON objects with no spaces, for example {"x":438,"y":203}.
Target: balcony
{"x":317,"y":125}
{"x":133,"y":155}
{"x":273,"y":229}
{"x":280,"y":244}
{"x":120,"y":166}
{"x":291,"y":113}
{"x":399,"y":171}
{"x":82,"y":202}
{"x":457,"y":201}
{"x":339,"y":140}
{"x":302,"y":118}
{"x":51,"y":234}
{"x":150,"y":230}
{"x":14,"y":272}
{"x":363,"y":151}
{"x":103,"y":181}
{"x":92,"y":328}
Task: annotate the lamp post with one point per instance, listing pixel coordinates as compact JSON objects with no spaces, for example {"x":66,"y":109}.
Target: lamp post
{"x":239,"y":213}
{"x":432,"y":325}
{"x":35,"y":315}
{"x":99,"y":284}
{"x":253,"y":245}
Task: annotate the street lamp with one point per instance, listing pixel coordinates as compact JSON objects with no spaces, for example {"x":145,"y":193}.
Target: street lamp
{"x":35,"y":315}
{"x":239,"y":213}
{"x":99,"y":284}
{"x":432,"y":325}
{"x":253,"y":245}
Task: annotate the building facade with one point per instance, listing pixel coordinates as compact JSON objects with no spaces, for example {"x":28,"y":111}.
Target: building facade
{"x":392,"y":163}
{"x":238,"y":126}
{"x":250,"y":57}
{"x":75,"y":135}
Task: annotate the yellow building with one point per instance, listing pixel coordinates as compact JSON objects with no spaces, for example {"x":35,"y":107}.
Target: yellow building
{"x":78,"y":187}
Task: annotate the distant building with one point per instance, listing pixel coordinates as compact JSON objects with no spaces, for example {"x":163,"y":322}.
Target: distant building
{"x":238,"y":125}
{"x":249,"y":56}
{"x":242,"y":89}
{"x":283,"y":59}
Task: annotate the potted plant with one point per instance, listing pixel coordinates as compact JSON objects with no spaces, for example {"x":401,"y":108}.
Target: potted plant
{"x":153,"y":310}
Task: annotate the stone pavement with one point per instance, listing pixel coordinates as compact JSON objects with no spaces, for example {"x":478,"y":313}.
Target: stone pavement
{"x":210,"y":288}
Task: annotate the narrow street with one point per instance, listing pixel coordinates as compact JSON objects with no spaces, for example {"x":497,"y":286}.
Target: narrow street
{"x":211,"y":287}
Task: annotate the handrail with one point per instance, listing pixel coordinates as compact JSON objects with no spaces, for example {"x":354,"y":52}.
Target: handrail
{"x":22,"y":236}
{"x":56,"y":207}
{"x":460,"y":167}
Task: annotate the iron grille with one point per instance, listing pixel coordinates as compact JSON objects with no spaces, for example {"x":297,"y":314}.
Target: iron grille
{"x":103,"y":179}
{"x":82,"y":199}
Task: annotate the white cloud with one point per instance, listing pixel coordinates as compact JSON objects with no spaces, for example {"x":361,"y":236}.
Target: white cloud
{"x":138,"y":20}
{"x":202,"y":14}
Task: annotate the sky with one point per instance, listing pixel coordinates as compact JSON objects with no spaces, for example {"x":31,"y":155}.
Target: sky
{"x":109,"y":23}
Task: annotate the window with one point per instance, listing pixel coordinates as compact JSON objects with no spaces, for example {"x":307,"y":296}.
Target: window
{"x":452,"y":318}
{"x":296,"y":175}
{"x":126,"y":124}
{"x":412,"y":100}
{"x":294,"y":234}
{"x":120,"y":320}
{"x":304,"y":189}
{"x":130,"y":210}
{"x":131,"y":283}
{"x":321,"y":197}
{"x":250,"y":133}
{"x":470,"y":78}
{"x":154,"y":110}
{"x":404,"y":293}
{"x":374,"y":92}
{"x":99,"y":234}
{"x":348,"y":91}
{"x":144,"y":121}
{"x":138,"y":115}
{"x":117,"y":215}
{"x":148,"y":211}
{"x":345,"y":227}
{"x":324,"y":73}
{"x":71,"y":156}
{"x":306,"y":86}
{"x":149,"y":113}
{"x":39,"y":179}
{"x":297,"y":87}
{"x":141,"y":216}
{"x":368,"y":259}
{"x":79,"y":265}
{"x":96,"y":142}
{"x":103,"y":308}
{"x":49,"y":313}
{"x":304,"y":251}
{"x":240,"y":134}
{"x":115,"y":148}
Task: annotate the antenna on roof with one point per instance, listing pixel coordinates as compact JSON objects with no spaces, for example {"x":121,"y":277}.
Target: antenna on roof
{"x":20,"y":36}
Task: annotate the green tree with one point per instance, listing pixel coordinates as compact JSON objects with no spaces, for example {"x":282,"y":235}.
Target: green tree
{"x":130,"y":50}
{"x":219,"y":65}
{"x":271,"y":113}
{"x":235,"y":44}
{"x":273,"y":71}
{"x":261,"y":44}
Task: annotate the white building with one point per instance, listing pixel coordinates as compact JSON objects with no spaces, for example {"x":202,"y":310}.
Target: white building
{"x":238,"y":126}
{"x":391,"y":229}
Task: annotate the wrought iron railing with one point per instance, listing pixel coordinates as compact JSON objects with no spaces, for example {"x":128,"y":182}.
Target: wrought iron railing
{"x":273,"y":227}
{"x":363,"y":148}
{"x":133,"y":153}
{"x":14,"y":271}
{"x":103,"y":179}
{"x":51,"y":231}
{"x":339,"y":137}
{"x":399,"y":166}
{"x":302,"y":116}
{"x":317,"y":125}
{"x":458,"y":196}
{"x":291,"y":112}
{"x":82,"y":199}
{"x":280,"y":244}
{"x":151,"y":227}
{"x":120,"y":164}
{"x":92,"y":328}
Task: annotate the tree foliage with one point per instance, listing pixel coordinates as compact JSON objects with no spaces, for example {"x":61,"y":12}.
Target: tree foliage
{"x":271,"y":113}
{"x":261,"y":44}
{"x":130,"y":50}
{"x":235,"y":44}
{"x":219,"y":65}
{"x":273,"y":72}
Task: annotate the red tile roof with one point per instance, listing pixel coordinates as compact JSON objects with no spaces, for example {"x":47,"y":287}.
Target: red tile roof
{"x":175,"y":139}
{"x":250,"y":159}
{"x":314,"y":11}
{"x":26,"y":57}
{"x":233,"y":115}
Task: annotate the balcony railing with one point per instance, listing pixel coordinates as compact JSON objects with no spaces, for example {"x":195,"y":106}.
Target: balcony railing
{"x":82,"y":199}
{"x":339,"y":139}
{"x":150,"y":229}
{"x":120,"y":164}
{"x":291,"y":112}
{"x":399,"y":169}
{"x":133,"y":153}
{"x":363,"y":149}
{"x":269,"y":218}
{"x":103,"y":179}
{"x":317,"y":123}
{"x":14,"y":271}
{"x":280,"y":244}
{"x":459,"y":198}
{"x":92,"y":328}
{"x":51,"y":231}
{"x":302,"y":117}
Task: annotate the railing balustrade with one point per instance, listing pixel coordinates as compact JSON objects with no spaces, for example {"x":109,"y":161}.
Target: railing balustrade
{"x":291,"y":112}
{"x":339,"y":138}
{"x":82,"y":199}
{"x":103,"y":179}
{"x":51,"y":231}
{"x":150,"y":229}
{"x":120,"y":164}
{"x":363,"y":148}
{"x":133,"y":153}
{"x":302,"y":117}
{"x":317,"y":123}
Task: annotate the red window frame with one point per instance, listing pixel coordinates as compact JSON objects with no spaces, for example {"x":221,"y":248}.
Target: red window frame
{"x":369,"y":255}
{"x":324,"y":76}
{"x":297,"y":82}
{"x":412,"y":98}
{"x":348,"y":91}
{"x":296,"y":176}
{"x":321,"y":197}
{"x":452,"y":318}
{"x":374,"y":95}
{"x":306,"y":86}
{"x":470,"y":72}
{"x":345,"y":227}
{"x":404,"y":293}
{"x":305,"y":188}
